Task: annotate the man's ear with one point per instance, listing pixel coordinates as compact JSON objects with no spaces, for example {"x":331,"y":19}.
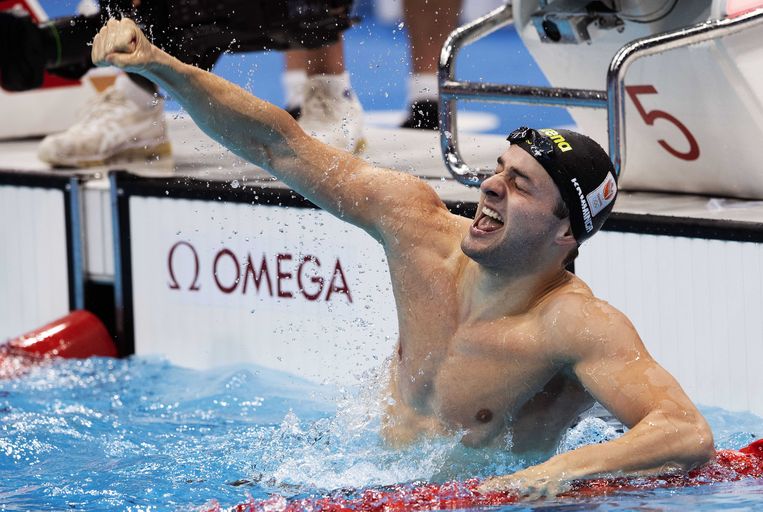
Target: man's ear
{"x":564,"y":234}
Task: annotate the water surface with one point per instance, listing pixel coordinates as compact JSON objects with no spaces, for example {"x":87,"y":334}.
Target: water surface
{"x":140,"y":433}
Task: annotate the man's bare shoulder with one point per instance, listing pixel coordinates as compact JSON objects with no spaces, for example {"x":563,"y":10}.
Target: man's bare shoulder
{"x":579,"y":323}
{"x":396,"y":207}
{"x":416,"y":216}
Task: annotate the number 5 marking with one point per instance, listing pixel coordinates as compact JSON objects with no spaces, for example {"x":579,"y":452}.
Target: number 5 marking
{"x":653,"y":115}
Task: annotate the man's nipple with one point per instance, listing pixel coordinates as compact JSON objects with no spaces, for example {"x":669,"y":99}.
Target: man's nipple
{"x":484,"y":415}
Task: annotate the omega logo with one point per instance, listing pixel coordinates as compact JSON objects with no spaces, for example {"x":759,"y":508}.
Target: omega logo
{"x":281,"y":276}
{"x":174,"y":285}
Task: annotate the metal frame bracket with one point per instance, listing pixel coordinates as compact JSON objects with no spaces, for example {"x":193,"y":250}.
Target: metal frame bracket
{"x":612,"y":99}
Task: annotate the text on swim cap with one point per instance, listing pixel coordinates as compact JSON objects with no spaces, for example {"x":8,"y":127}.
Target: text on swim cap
{"x":555,"y":136}
{"x":584,"y":206}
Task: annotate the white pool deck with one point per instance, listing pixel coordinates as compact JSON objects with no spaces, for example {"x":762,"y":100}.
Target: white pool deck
{"x":414,"y":151}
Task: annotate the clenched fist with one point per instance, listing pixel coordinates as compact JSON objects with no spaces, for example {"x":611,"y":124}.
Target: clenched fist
{"x":121,"y":43}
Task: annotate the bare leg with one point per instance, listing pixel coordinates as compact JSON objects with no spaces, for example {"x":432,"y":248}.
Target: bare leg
{"x":293,"y":81}
{"x":296,"y":59}
{"x":331,"y":110}
{"x":328,"y":60}
{"x":429,"y":23}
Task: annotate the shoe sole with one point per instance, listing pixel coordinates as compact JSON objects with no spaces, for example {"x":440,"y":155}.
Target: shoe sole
{"x":163,"y":150}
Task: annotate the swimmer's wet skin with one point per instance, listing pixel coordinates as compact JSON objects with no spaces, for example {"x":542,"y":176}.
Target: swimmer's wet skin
{"x":517,"y":346}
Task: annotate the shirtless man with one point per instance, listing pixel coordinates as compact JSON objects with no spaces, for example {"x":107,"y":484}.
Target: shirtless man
{"x":516,"y":343}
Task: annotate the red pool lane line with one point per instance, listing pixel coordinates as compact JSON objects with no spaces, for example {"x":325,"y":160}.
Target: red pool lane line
{"x":395,"y":498}
{"x":728,"y":466}
{"x":78,"y":335}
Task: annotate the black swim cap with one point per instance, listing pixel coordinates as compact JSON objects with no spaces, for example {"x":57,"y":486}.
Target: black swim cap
{"x":582,"y":171}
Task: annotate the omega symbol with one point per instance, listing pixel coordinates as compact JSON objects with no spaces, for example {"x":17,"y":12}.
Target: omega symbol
{"x":173,"y":284}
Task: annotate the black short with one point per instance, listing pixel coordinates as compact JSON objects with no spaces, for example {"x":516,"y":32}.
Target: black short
{"x":195,"y":31}
{"x":199,"y":31}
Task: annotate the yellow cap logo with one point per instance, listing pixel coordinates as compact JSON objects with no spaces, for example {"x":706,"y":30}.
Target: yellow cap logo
{"x":555,"y":136}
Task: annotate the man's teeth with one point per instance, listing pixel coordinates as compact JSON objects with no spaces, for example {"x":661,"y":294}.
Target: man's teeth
{"x":492,"y":214}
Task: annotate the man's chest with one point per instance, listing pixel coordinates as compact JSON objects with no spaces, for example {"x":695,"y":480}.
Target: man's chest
{"x":475,"y":377}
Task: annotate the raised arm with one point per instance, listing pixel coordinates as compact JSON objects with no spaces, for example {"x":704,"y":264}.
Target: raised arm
{"x":667,"y":432}
{"x":371,"y":198}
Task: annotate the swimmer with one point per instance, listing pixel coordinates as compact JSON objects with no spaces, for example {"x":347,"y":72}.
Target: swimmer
{"x":515,"y":344}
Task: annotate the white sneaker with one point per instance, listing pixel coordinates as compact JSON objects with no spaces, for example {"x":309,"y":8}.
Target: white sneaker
{"x":334,"y":119}
{"x":111,"y":128}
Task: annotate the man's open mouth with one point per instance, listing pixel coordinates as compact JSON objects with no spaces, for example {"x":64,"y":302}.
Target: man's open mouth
{"x":488,"y":220}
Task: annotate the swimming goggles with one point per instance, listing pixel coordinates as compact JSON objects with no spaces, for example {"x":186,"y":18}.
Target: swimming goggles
{"x":540,"y":146}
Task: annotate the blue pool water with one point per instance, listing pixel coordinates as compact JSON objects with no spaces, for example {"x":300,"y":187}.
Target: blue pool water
{"x":142,"y":434}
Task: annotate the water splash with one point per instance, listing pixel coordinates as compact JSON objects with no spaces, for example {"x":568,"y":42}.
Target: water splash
{"x":105,"y":433}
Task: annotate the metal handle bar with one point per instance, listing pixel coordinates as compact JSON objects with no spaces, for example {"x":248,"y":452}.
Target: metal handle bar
{"x":652,"y":45}
{"x":612,"y":99}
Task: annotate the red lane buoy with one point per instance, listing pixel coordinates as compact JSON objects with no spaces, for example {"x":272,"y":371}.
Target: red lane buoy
{"x":78,"y":335}
{"x":727,"y":466}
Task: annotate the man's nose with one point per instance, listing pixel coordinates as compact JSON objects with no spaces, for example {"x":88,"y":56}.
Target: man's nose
{"x":493,"y":187}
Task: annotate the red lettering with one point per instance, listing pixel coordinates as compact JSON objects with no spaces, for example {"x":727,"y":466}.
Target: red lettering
{"x":333,"y":288}
{"x":227,"y":289}
{"x":310,"y":280}
{"x":174,"y":285}
{"x":281,"y":276}
{"x":257,"y":278}
{"x":315,"y":279}
{"x":653,"y":115}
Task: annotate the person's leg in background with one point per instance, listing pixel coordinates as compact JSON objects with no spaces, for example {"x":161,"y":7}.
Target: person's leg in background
{"x":330,"y":109}
{"x":293,"y":81}
{"x":125,"y":121}
{"x":429,"y":22}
